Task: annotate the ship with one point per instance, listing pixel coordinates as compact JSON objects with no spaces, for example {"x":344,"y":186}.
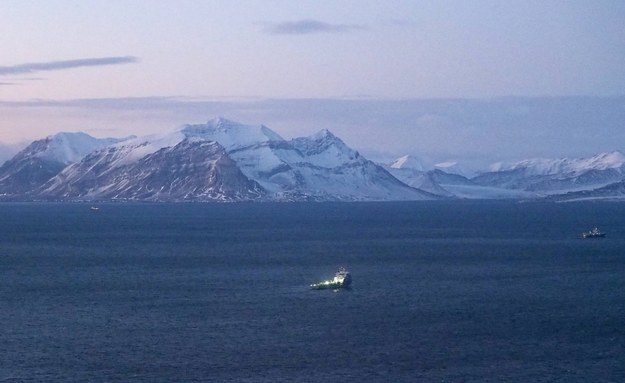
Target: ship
{"x":594,"y":233}
{"x":342,"y":279}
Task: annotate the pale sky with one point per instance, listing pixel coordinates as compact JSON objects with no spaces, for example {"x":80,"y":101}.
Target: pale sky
{"x":58,"y":55}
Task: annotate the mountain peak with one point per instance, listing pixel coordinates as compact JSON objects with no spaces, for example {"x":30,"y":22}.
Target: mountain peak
{"x":231,"y":134}
{"x":45,"y":158}
{"x":325,"y":149}
{"x":610,"y":159}
{"x":318,"y":142}
{"x":326,"y":138}
{"x":221,"y":123}
{"x":66,"y":147}
{"x":407,"y":161}
{"x":323,"y":133}
{"x":69,"y":136}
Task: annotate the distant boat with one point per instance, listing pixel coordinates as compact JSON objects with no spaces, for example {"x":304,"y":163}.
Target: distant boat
{"x":594,"y":233}
{"x":93,"y":208}
{"x":341,"y":279}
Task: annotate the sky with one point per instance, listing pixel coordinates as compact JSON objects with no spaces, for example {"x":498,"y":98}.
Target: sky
{"x":119,"y":67}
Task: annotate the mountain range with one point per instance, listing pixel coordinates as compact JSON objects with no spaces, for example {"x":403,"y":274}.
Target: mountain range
{"x":218,"y":161}
{"x":598,"y":177}
{"x":224,"y":161}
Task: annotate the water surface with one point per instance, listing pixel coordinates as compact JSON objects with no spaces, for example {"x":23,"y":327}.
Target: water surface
{"x":443,"y":291}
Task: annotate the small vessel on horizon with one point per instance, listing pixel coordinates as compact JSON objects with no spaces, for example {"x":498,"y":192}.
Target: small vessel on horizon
{"x":94,"y":208}
{"x":594,"y":233}
{"x":342,"y":279}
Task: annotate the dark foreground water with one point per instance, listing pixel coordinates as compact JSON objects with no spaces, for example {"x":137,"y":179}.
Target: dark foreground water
{"x":442,"y":292}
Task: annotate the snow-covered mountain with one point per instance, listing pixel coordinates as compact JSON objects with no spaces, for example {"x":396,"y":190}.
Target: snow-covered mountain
{"x":556,"y":176}
{"x":192,"y":170}
{"x":453,"y":167}
{"x":444,"y":184}
{"x":601,"y":176}
{"x":577,"y":166}
{"x":218,"y":161}
{"x":319,"y":167}
{"x":407,"y":162}
{"x":222,"y":160}
{"x":43,"y":159}
{"x":419,"y":179}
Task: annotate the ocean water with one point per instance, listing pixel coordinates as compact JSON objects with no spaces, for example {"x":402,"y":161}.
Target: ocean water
{"x":442,"y":292}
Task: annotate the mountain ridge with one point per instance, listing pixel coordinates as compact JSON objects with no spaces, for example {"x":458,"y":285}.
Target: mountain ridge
{"x":223,"y":160}
{"x":191,"y":164}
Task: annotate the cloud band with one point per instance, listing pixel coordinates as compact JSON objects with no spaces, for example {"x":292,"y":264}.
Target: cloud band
{"x":65,"y":64}
{"x":309,"y":26}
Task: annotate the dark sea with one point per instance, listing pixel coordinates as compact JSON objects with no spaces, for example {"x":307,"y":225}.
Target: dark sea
{"x":442,"y":292}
